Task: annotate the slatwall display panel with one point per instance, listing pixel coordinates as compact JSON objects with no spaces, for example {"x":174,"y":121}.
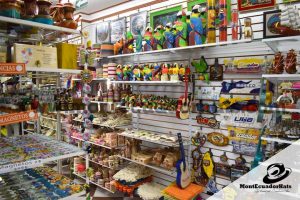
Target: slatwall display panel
{"x":164,"y":123}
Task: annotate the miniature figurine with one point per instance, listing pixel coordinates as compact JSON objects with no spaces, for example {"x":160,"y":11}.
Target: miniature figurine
{"x":211,"y":21}
{"x":165,"y":72}
{"x":136,"y":73}
{"x":69,"y":21}
{"x":118,"y":47}
{"x":130,"y":72}
{"x":158,"y":38}
{"x":181,"y":72}
{"x":128,"y":46}
{"x":195,"y":37}
{"x":147,"y":73}
{"x":181,"y":30}
{"x":188,"y":22}
{"x":125,"y":74}
{"x":234,"y":24}
{"x":175,"y":72}
{"x":248,"y":33}
{"x":156,"y":73}
{"x":169,"y":37}
{"x":223,"y":20}
{"x":148,"y":37}
{"x":291,"y":62}
{"x":139,"y":41}
{"x":278,"y":65}
{"x":119,"y":72}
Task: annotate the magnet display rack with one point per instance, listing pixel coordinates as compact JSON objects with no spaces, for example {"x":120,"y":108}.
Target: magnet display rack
{"x":47,"y":34}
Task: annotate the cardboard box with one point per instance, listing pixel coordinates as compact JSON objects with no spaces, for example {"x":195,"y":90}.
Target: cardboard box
{"x":35,"y":56}
{"x":67,"y":56}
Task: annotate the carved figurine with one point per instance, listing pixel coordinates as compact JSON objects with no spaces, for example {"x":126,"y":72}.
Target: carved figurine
{"x":181,"y":30}
{"x":165,"y":72}
{"x":181,"y":72}
{"x":234,"y":24}
{"x":158,"y":38}
{"x":247,"y":28}
{"x":118,"y":47}
{"x":139,"y":41}
{"x":137,"y":73}
{"x":291,"y":62}
{"x":130,"y":72}
{"x":127,"y":148}
{"x":128,"y":46}
{"x":188,"y":22}
{"x":156,"y":72}
{"x":125,"y":73}
{"x":44,"y":12}
{"x":158,"y":158}
{"x":30,"y":8}
{"x":211,"y":21}
{"x":169,"y":161}
{"x":195,"y":37}
{"x":223,"y":20}
{"x":148,"y":37}
{"x":147,"y":73}
{"x":57,"y":12}
{"x":169,"y":37}
{"x":175,"y":72}
{"x":119,"y":72}
{"x":278,"y":64}
{"x":69,"y":21}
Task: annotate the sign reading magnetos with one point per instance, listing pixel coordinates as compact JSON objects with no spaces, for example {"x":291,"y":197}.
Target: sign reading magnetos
{"x":18,"y":117}
{"x":12,"y":68}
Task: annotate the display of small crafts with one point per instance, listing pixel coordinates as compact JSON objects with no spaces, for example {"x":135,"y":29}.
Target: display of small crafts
{"x":281,"y":64}
{"x":149,"y":101}
{"x":187,"y":30}
{"x":151,"y":72}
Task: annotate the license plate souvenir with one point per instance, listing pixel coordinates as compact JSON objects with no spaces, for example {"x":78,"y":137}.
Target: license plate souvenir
{"x":241,"y":87}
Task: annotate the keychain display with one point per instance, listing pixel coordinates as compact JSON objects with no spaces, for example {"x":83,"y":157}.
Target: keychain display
{"x":241,"y":87}
{"x":239,"y":169}
{"x":244,"y":140}
{"x":206,"y":108}
{"x":222,"y":167}
{"x":212,"y":93}
{"x":211,"y":122}
{"x":218,"y":139}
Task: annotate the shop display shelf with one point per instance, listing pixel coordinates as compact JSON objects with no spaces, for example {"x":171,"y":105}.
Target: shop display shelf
{"x":69,"y":112}
{"x":84,"y":178}
{"x":93,"y":143}
{"x":147,"y":110}
{"x":26,"y":23}
{"x":52,"y":70}
{"x":49,"y":118}
{"x":274,"y":139}
{"x":75,"y":196}
{"x":283,"y":43}
{"x":112,"y":127}
{"x":94,"y":79}
{"x":179,"y":50}
{"x":97,"y":163}
{"x":165,"y":143}
{"x":280,"y":109}
{"x":104,"y":102}
{"x":71,"y":151}
{"x":281,"y":77}
{"x":159,"y":169}
{"x":149,"y":82}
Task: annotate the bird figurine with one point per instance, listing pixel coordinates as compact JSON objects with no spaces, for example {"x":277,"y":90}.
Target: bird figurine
{"x":169,"y":37}
{"x":188,"y":22}
{"x":139,"y":41}
{"x":148,"y":37}
{"x":158,"y":38}
{"x":128,"y":46}
{"x":181,"y":30}
{"x":195,"y":37}
{"x":119,"y":72}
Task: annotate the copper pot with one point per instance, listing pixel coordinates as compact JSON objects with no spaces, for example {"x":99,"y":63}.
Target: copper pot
{"x":44,"y":7}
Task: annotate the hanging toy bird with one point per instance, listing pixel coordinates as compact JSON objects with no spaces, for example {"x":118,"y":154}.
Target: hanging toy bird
{"x":148,"y":37}
{"x":195,"y":37}
{"x":169,"y":37}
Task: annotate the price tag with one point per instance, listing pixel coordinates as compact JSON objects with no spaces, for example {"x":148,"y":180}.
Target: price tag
{"x":17,"y":117}
{"x":20,"y":166}
{"x":12,"y":68}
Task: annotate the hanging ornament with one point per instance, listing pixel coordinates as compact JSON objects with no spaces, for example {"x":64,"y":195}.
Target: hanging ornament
{"x":87,"y":89}
{"x":86,"y":76}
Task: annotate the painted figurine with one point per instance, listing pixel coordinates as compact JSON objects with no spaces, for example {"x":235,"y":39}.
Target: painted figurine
{"x":128,"y":46}
{"x":188,"y":22}
{"x":158,"y":38}
{"x":147,"y":73}
{"x":248,"y":33}
{"x":148,"y":37}
{"x":169,"y":37}
{"x":130,"y":72}
{"x":125,"y":74}
{"x":223,"y":20}
{"x":165,"y":72}
{"x":119,"y":72}
{"x":181,"y":72}
{"x":136,"y":73}
{"x":291,"y":62}
{"x":175,"y":72}
{"x":139,"y":41}
{"x":156,"y":72}
{"x":118,"y":47}
{"x":211,"y":21}
{"x":195,"y":37}
{"x":278,"y":64}
{"x":181,"y":30}
{"x":234,"y":24}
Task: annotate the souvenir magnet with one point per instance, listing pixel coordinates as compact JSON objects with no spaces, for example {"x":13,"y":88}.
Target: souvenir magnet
{"x":218,"y":139}
{"x":211,"y":122}
{"x":198,"y":140}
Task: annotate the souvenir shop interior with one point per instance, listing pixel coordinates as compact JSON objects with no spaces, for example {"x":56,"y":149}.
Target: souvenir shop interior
{"x":144,"y":99}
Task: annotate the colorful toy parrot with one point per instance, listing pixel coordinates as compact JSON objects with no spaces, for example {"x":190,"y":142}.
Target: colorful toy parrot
{"x":158,"y":38}
{"x":188,"y":22}
{"x":201,"y":67}
{"x":148,"y":37}
{"x":195,"y":37}
{"x":169,"y":37}
{"x":139,"y":41}
{"x":156,"y":73}
{"x":181,"y":30}
{"x":125,"y":74}
{"x":147,"y":73}
{"x":136,"y":73}
{"x":119,"y":72}
{"x":128,"y":46}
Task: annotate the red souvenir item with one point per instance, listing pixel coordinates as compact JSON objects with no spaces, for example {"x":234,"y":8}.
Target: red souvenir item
{"x":291,"y":62}
{"x":223,"y":20}
{"x":211,"y":122}
{"x":183,"y":102}
{"x":234,"y":24}
{"x":278,"y":64}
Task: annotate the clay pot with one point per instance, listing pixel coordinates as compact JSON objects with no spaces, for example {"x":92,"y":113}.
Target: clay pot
{"x":278,"y":65}
{"x":72,"y":24}
{"x":291,"y":62}
{"x":44,"y":7}
{"x":30,"y":8}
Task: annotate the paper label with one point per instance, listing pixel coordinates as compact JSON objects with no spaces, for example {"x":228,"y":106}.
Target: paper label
{"x":17,"y":117}
{"x":12,"y":68}
{"x":20,"y":166}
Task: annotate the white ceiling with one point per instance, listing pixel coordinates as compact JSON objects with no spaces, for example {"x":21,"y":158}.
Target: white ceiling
{"x":95,"y":5}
